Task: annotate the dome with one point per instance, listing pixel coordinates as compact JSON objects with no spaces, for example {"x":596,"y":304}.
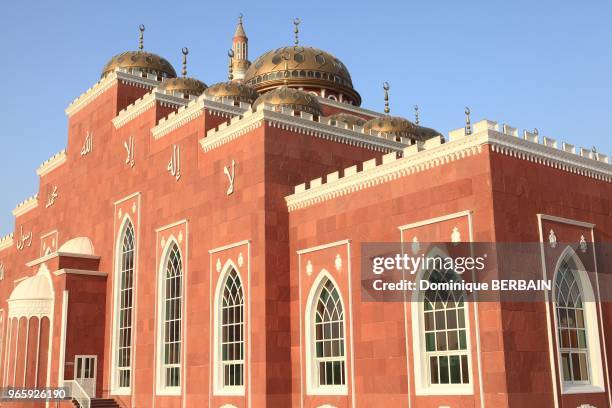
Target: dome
{"x":183,"y":85}
{"x":350,"y":120}
{"x":290,"y":98}
{"x":37,"y":287}
{"x":308,"y":68}
{"x":235,"y":90}
{"x":393,"y":126}
{"x":140,"y":60}
{"x":78,"y":245}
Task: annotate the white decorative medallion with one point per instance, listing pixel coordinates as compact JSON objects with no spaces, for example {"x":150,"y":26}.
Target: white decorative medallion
{"x":416,"y":245}
{"x":338,"y":262}
{"x":583,"y":244}
{"x":129,"y":151}
{"x":174,"y":165}
{"x":455,"y":235}
{"x":240,"y":260}
{"x":134,"y":208}
{"x":309,"y":268}
{"x":230,"y":176}
{"x":87,"y":145}
{"x":218,"y":265}
{"x":552,"y":239}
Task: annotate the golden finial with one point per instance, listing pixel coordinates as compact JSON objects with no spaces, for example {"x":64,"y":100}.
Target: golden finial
{"x":286,"y":57}
{"x":296,"y":30}
{"x":416,"y":115}
{"x":230,"y":54}
{"x":141,"y":43}
{"x":185,"y":51}
{"x":468,"y":125}
{"x":386,"y":87}
{"x":240,"y":18}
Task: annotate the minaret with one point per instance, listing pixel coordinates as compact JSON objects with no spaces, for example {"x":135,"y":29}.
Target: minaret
{"x":240,"y":46}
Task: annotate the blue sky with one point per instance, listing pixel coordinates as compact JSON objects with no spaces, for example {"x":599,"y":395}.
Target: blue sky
{"x":544,"y":64}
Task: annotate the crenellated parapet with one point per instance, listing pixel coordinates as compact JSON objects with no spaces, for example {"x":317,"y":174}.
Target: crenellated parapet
{"x":26,"y":205}
{"x":147,"y":81}
{"x":52,"y":163}
{"x":141,"y":105}
{"x":6,"y":242}
{"x":298,"y":122}
{"x":435,"y":152}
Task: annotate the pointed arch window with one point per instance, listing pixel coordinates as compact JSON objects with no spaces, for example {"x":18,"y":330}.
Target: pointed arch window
{"x":571,"y":326}
{"x":171,"y":313}
{"x":329,"y":337}
{"x":124,"y":308}
{"x":232,"y":332}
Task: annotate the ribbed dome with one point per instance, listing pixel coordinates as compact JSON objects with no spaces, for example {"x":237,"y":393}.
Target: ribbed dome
{"x":393,"y":126}
{"x":140,"y":60}
{"x":308,"y":67}
{"x":235,"y":90}
{"x":290,"y":98}
{"x":183,"y":85}
{"x":350,"y":120}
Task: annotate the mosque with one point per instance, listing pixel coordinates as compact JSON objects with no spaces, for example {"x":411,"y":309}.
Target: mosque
{"x":199,"y":246}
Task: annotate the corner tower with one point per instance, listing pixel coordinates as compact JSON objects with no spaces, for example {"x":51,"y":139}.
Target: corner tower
{"x":240,"y":46}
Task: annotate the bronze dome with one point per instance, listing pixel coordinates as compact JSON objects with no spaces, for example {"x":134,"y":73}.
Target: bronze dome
{"x":235,"y":90}
{"x":183,"y":85}
{"x":308,"y":67}
{"x":351,"y":120}
{"x":290,"y":98}
{"x":140,"y":60}
{"x":392,"y":126}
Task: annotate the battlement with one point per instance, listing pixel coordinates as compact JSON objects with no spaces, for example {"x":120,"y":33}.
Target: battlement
{"x":134,"y":78}
{"x":193,"y":109}
{"x":26,"y":205}
{"x":300,"y":122}
{"x":146,"y":102}
{"x":52,"y":163}
{"x":435,"y":152}
{"x":6,"y":241}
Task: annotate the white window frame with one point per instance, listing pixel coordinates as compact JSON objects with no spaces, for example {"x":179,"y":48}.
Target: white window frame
{"x":596,"y":380}
{"x":161,"y":388}
{"x":419,"y":352}
{"x":312,"y":371}
{"x":116,"y":389}
{"x":219,"y":388}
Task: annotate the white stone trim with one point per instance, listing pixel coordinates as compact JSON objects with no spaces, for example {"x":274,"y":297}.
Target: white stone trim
{"x":433,"y":153}
{"x":62,"y":345}
{"x":106,"y":83}
{"x":145,"y":103}
{"x":68,"y":271}
{"x":6,"y":242}
{"x":566,"y":221}
{"x":26,"y":205}
{"x":52,"y":163}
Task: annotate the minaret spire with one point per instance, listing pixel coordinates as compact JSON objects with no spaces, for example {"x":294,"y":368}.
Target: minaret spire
{"x":386,"y":87}
{"x":240,"y":47}
{"x":185,"y":52}
{"x":141,"y":37}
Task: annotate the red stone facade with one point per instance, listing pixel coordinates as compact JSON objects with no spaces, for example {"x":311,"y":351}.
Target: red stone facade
{"x":280,"y":250}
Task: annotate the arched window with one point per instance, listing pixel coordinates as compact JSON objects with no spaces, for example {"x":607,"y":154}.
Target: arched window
{"x":124,"y":307}
{"x":573,"y":345}
{"x":328,"y":339}
{"x":171,"y":313}
{"x":445,"y":334}
{"x":231,"y":329}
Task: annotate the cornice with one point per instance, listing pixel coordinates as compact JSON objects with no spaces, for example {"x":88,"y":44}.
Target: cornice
{"x":433,"y":153}
{"x":104,"y":84}
{"x":52,"y":163}
{"x":301,"y":123}
{"x":194,"y":109}
{"x":6,"y":242}
{"x":145,"y":103}
{"x":26,"y":205}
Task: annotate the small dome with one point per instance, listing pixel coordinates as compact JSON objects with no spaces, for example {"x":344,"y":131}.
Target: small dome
{"x":235,"y":90}
{"x":140,"y":60}
{"x":290,"y":98}
{"x":427,"y":133}
{"x":37,"y":287}
{"x":350,"y":120}
{"x":393,"y":126}
{"x":183,"y":85}
{"x":78,"y":245}
{"x":308,"y":68}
